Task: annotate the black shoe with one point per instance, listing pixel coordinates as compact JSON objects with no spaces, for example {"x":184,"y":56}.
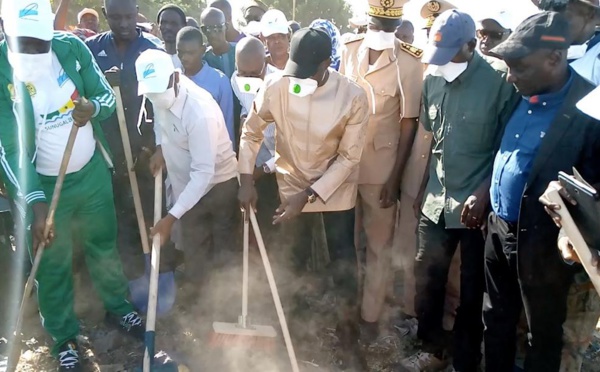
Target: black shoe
{"x":68,"y":357}
{"x":131,"y":324}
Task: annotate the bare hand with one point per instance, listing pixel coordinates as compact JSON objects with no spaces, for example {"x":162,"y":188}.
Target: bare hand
{"x":40,"y":215}
{"x":552,"y":208}
{"x":83,"y":111}
{"x":290,"y":208}
{"x":163,"y":228}
{"x":566,"y":249}
{"x":113,"y":76}
{"x":475,"y":208}
{"x":389,"y":194}
{"x":157,"y":161}
{"x":247,"y":195}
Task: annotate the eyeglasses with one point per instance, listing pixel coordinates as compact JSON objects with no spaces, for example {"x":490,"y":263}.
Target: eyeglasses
{"x":213,"y":29}
{"x":494,"y":35}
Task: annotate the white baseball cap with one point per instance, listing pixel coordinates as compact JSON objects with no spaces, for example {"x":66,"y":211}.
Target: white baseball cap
{"x":502,"y":17}
{"x":153,"y":69}
{"x":87,"y":11}
{"x":274,"y":22}
{"x":29,"y":18}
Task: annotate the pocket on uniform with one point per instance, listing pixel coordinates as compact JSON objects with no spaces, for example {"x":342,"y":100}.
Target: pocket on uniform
{"x":385,"y":141}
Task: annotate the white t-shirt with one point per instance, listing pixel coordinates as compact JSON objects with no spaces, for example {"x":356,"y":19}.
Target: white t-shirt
{"x":52,"y":101}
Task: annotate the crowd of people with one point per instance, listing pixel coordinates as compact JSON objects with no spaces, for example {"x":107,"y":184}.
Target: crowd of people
{"x":430,"y":161}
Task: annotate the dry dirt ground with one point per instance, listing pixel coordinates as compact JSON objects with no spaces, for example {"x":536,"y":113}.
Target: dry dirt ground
{"x":185,"y":334}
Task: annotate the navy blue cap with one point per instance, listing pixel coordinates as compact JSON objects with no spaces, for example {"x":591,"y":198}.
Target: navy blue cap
{"x":545,"y":30}
{"x":450,"y":31}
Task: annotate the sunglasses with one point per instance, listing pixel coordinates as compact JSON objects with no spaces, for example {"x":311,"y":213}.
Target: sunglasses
{"x":213,"y":29}
{"x":494,"y":35}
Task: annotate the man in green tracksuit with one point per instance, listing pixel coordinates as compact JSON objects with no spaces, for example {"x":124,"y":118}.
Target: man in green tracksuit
{"x":48,"y":83}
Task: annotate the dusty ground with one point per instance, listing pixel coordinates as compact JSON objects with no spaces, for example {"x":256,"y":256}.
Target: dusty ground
{"x":185,"y":335}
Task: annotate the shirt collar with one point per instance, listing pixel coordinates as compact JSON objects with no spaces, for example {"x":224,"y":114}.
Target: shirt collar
{"x":177,"y":108}
{"x":473,"y":65}
{"x":553,"y":98}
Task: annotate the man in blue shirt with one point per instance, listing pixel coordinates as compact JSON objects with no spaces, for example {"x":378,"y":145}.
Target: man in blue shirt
{"x":119,"y":48}
{"x":545,"y":135}
{"x":221,"y":53}
{"x":190,"y":49}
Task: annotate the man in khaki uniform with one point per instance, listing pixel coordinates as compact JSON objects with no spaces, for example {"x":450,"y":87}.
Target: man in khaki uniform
{"x":391,"y":73}
{"x":432,"y":9}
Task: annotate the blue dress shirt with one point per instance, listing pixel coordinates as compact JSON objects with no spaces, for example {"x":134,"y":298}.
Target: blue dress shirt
{"x":522,"y":138}
{"x":219,"y":86}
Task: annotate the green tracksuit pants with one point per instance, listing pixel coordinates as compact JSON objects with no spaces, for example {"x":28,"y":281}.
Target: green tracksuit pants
{"x":85,"y":210}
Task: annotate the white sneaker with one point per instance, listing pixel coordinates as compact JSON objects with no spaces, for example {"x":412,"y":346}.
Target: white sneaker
{"x":424,"y":362}
{"x":408,"y":327}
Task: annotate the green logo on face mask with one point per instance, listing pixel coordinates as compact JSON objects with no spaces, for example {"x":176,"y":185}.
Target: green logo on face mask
{"x":247,"y":87}
{"x":297,"y":88}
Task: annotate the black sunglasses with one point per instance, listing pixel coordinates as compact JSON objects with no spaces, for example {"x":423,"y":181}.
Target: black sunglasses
{"x":213,"y":29}
{"x":494,"y":35}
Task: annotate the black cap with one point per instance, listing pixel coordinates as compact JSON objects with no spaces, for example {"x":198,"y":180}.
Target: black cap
{"x":308,"y":49}
{"x":545,"y":30}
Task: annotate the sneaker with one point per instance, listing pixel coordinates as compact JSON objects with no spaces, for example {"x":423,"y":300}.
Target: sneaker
{"x":424,"y":362}
{"x":408,"y":327}
{"x":68,"y":358}
{"x":131,"y":323}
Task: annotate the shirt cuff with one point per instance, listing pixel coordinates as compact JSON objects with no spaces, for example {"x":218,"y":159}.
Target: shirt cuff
{"x":96,"y":108}
{"x":35,"y":197}
{"x":178,"y":211}
{"x":271,"y":164}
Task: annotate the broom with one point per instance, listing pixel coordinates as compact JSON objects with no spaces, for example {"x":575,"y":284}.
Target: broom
{"x":243,"y":333}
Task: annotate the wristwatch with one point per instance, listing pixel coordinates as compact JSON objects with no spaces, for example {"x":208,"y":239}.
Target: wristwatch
{"x":312,"y":196}
{"x":266,"y":169}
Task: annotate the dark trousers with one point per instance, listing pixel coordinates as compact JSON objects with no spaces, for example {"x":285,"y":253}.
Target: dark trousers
{"x":436,"y":247}
{"x":506,"y":296}
{"x":210,"y":231}
{"x":343,"y":266}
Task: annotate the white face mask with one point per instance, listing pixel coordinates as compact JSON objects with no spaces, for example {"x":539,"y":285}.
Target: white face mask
{"x":30,"y":67}
{"x":379,"y":40}
{"x":249,"y":85}
{"x":162,"y":100}
{"x":450,"y":71}
{"x":302,"y":87}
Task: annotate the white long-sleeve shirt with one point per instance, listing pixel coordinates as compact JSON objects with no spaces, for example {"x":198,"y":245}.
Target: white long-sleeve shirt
{"x":195,"y":144}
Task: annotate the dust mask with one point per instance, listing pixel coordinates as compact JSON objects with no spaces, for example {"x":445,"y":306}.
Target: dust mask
{"x":249,"y":85}
{"x":450,"y":71}
{"x":302,"y":87}
{"x":30,"y":67}
{"x":163,"y":100}
{"x":379,"y":40}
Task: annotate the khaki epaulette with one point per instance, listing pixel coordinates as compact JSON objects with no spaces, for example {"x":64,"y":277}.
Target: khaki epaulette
{"x":411,"y":49}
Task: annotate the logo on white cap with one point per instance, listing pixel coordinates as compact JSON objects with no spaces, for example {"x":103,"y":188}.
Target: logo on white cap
{"x":30,"y":12}
{"x":149,"y":71}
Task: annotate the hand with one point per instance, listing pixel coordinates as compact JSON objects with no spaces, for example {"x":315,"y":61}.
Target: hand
{"x":476,"y":208}
{"x":40,"y":215}
{"x":258,"y":173}
{"x":566,"y":249}
{"x":157,"y":161}
{"x":113,"y":76}
{"x":247,"y":195}
{"x":83,"y":111}
{"x":552,"y":208}
{"x":290,"y":208}
{"x":389,"y":194}
{"x":163,"y":228}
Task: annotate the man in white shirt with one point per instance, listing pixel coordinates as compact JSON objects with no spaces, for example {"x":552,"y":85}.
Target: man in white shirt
{"x":193,"y":143}
{"x":252,"y":68}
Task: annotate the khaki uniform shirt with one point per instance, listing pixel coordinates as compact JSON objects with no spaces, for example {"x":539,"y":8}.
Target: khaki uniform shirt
{"x":318,"y":142}
{"x":466,"y":119}
{"x":393,"y":84}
